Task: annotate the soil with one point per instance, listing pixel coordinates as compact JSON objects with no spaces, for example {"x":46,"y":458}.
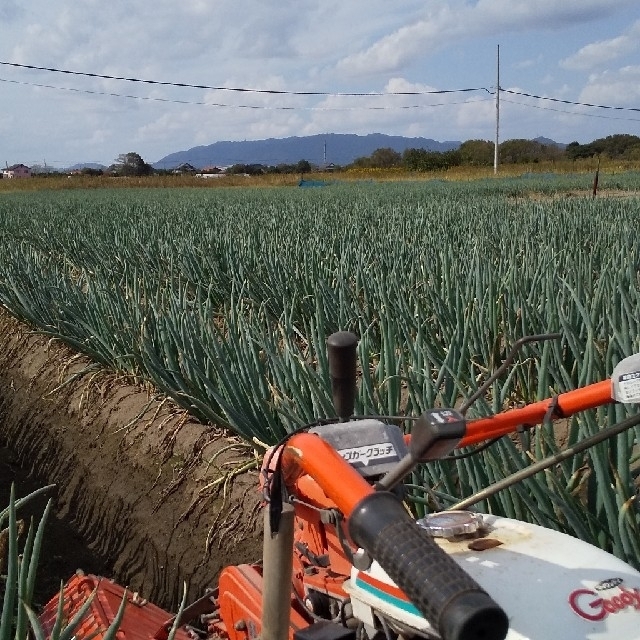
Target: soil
{"x":56,"y":563}
{"x":148,"y":494}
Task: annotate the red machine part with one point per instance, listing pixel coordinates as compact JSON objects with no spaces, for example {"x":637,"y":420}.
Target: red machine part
{"x":240,"y":605}
{"x":142,"y":620}
{"x":319,"y":565}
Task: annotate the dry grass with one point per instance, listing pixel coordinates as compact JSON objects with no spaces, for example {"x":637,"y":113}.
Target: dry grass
{"x":64,"y":182}
{"x":464,"y":173}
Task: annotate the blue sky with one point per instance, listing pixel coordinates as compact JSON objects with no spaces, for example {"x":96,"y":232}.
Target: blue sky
{"x":576,"y":50}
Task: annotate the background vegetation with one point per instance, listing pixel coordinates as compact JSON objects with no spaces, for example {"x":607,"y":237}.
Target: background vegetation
{"x":620,"y":151}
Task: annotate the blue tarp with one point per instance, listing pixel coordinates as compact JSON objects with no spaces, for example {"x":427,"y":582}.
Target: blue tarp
{"x":313,"y":183}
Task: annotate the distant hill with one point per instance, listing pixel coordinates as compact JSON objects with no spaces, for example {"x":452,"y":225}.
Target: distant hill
{"x":341,"y":149}
{"x":86,"y":165}
{"x":549,"y":142}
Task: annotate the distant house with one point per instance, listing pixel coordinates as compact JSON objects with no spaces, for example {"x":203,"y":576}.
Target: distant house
{"x":16,"y":171}
{"x":210,"y":175}
{"x":185,"y":168}
{"x":211,"y":172}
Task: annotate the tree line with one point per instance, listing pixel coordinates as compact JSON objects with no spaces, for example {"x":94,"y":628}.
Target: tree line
{"x":475,"y":153}
{"x":518,"y":151}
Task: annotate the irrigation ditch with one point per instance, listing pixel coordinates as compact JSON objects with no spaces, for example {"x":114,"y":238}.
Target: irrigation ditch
{"x":144,"y":493}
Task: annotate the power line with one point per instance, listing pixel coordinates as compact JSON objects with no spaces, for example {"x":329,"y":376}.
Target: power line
{"x":237,"y":89}
{"x":571,"y":113}
{"x":287,"y":92}
{"x":579,"y":104}
{"x":235,"y":106}
{"x":303,"y":108}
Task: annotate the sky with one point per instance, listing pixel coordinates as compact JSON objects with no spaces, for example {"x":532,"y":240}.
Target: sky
{"x":398,"y":55}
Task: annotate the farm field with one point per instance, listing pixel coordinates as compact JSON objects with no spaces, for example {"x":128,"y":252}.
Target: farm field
{"x":222,"y":299}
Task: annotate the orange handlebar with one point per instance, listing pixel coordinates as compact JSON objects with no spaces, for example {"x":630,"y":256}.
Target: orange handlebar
{"x":342,"y":484}
{"x":589,"y":397}
{"x":307,"y":453}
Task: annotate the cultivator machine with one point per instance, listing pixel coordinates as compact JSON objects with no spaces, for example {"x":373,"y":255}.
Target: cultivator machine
{"x":343,"y":558}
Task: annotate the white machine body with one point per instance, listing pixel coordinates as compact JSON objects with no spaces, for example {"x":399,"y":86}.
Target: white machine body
{"x":550,"y":585}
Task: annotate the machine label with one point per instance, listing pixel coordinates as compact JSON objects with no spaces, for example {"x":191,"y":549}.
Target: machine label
{"x":629,"y":386}
{"x":593,"y":606}
{"x":369,"y":453}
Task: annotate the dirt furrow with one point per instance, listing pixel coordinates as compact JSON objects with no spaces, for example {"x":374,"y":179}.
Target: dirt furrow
{"x":131,"y":470}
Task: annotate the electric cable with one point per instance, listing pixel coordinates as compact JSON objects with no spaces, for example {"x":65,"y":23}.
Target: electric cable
{"x":279,"y":92}
{"x":579,"y":104}
{"x":202,"y":103}
{"x":236,"y":106}
{"x":237,"y":89}
{"x":569,"y":113}
{"x":303,"y":93}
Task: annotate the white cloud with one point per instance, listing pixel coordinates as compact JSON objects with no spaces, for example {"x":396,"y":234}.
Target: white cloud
{"x":616,"y":88}
{"x":459,"y":20}
{"x":528,"y":63}
{"x":477,"y":115}
{"x":521,"y":15}
{"x":599,"y":53}
{"x":317,"y":45}
{"x":438,"y":116}
{"x":10,"y":10}
{"x":395,"y":50}
{"x":7,"y":123}
{"x":166,"y":125}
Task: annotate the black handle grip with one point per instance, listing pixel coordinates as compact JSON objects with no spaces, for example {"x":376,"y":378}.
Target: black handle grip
{"x":342,"y":370}
{"x":449,"y":598}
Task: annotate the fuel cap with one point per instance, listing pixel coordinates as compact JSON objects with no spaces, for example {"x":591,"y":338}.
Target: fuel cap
{"x":448,"y":524}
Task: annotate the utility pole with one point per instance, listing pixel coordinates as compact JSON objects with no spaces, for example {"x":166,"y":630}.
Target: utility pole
{"x":495,"y":151}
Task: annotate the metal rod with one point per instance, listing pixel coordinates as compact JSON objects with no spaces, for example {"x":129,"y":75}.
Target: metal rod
{"x":591,"y":441}
{"x":277,"y":570}
{"x":397,"y":474}
{"x":495,"y":150}
{"x":517,"y":345}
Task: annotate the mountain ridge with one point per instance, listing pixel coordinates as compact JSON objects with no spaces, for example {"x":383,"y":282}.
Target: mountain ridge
{"x":319,"y":149}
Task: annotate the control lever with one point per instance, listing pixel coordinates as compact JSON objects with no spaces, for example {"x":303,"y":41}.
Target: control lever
{"x":434,"y":435}
{"x":341,"y":347}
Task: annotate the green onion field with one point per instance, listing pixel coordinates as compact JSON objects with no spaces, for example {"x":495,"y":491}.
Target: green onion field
{"x":223,"y":299}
